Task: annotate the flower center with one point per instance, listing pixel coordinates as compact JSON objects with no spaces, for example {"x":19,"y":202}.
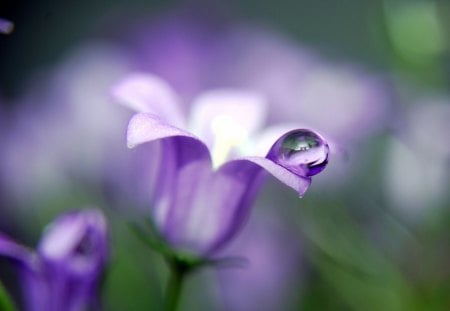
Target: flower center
{"x":228,"y":135}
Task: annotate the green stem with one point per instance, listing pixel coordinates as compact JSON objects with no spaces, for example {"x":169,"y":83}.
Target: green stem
{"x":175,"y":286}
{"x":6,"y":303}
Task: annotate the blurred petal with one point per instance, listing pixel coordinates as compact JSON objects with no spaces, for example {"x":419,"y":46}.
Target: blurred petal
{"x":428,"y":127}
{"x":275,"y":265}
{"x":36,"y":289}
{"x":33,"y":281}
{"x":341,"y":102}
{"x":69,"y":132}
{"x":181,"y":48}
{"x":144,"y":92}
{"x":77,"y":240}
{"x":13,"y":250}
{"x":73,"y":252}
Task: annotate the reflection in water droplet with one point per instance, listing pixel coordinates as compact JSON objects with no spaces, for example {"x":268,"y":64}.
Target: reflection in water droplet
{"x":301,"y":151}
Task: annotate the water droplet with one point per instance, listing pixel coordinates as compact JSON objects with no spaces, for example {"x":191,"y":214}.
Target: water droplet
{"x":301,"y":151}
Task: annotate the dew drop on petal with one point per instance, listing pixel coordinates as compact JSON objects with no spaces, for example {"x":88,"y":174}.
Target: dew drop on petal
{"x":301,"y":151}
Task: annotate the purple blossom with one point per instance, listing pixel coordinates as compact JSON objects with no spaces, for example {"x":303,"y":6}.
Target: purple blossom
{"x":65,"y":120}
{"x":65,"y":270}
{"x":343,"y":101}
{"x":207,"y":180}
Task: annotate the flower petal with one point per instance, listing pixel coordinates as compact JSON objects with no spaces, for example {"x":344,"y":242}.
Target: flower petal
{"x":296,"y":182}
{"x":237,"y":183}
{"x":13,"y":250}
{"x":209,"y":206}
{"x":178,"y":150}
{"x":145,"y":127}
{"x":35,"y":289}
{"x":144,"y":92}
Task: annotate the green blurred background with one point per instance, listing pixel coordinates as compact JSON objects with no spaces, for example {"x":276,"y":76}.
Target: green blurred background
{"x":411,"y":36}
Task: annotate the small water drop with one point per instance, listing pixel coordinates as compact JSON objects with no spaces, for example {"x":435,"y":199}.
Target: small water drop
{"x":301,"y":151}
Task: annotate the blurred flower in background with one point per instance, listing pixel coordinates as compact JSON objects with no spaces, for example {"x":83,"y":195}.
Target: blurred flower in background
{"x":6,"y":26}
{"x":300,"y":85}
{"x":273,"y":276}
{"x":75,"y":135}
{"x":65,"y":271}
{"x":417,"y":161}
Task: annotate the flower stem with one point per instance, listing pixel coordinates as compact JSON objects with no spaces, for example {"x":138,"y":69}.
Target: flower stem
{"x":175,"y":285}
{"x":6,"y":303}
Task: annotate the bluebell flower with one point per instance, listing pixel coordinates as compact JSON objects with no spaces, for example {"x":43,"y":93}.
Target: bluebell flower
{"x":210,"y":169}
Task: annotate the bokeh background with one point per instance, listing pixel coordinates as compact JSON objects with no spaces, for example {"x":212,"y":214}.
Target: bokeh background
{"x":373,"y":232}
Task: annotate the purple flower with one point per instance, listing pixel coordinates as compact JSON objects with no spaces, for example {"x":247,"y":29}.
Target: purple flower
{"x":207,"y":180}
{"x":65,"y":270}
{"x":344,"y":102}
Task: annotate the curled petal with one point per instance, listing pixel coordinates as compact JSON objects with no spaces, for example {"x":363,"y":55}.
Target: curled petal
{"x":296,"y":182}
{"x":148,"y":93}
{"x":36,"y":290}
{"x":145,"y":127}
{"x":15,"y":251}
{"x":179,"y":151}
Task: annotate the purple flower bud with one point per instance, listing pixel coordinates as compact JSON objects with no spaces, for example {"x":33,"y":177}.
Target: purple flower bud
{"x":64,"y":273}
